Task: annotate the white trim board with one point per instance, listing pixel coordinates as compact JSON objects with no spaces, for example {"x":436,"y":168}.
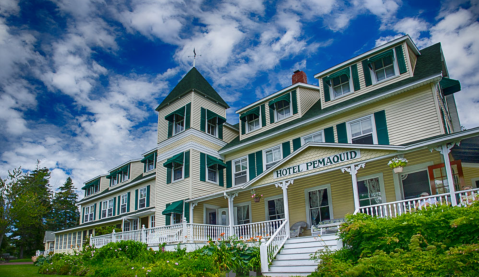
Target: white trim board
{"x":473,"y":165}
{"x":334,"y":112}
{"x":194,"y":132}
{"x":188,"y":146}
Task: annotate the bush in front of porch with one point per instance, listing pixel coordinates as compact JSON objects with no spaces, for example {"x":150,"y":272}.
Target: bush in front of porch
{"x":437,"y":241}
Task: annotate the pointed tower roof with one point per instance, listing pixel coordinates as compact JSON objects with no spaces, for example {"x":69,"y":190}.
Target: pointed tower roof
{"x":193,"y":80}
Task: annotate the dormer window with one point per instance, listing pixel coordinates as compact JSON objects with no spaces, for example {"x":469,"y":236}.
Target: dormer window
{"x":179,"y":120}
{"x":281,"y":107}
{"x":149,"y":162}
{"x":92,"y":188}
{"x":252,"y":122}
{"x":340,"y":85}
{"x":253,"y":119}
{"x":114,"y":180}
{"x":212,"y":123}
{"x":212,"y":126}
{"x":179,"y":124}
{"x":177,"y":167}
{"x":283,"y":110}
{"x":384,"y":68}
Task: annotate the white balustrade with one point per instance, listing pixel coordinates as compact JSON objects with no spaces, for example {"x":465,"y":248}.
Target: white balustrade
{"x":466,"y":197}
{"x":264,"y":229}
{"x":206,"y":232}
{"x":269,"y":249}
{"x":99,"y":241}
{"x":165,"y":234}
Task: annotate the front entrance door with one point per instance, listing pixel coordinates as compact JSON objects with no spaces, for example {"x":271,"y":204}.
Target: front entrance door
{"x":223,"y":217}
{"x":211,"y":216}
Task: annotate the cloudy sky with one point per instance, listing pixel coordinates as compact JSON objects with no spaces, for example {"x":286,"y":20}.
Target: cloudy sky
{"x":79,"y":80}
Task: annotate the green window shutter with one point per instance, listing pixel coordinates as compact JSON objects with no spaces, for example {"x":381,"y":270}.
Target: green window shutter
{"x":259,"y":162}
{"x":114,"y":205}
{"x":296,"y":144}
{"x":144,"y":167}
{"x":251,"y":165}
{"x":381,"y":128}
{"x":367,"y":73}
{"x":243,"y":127}
{"x":187,"y":164}
{"x":155,"y":161}
{"x":128,"y":204}
{"x":170,"y":129}
{"x":83,"y":216}
{"x":188,"y":116}
{"x":221,"y":177}
{"x":271,"y":115}
{"x":286,"y":149}
{"x":203,"y":120}
{"x":148,"y":196}
{"x":263,"y":115}
{"x":229,"y":174}
{"x":401,"y":60}
{"x":202,"y":167}
{"x":167,"y":217}
{"x":119,"y":203}
{"x":329,"y":135}
{"x":129,"y":171}
{"x":168,"y":175}
{"x":94,"y":212}
{"x":354,"y":70}
{"x":327,"y":96}
{"x":220,"y":131}
{"x":187,"y":212}
{"x":294,"y":99}
{"x":136,"y":199}
{"x":99,"y":214}
{"x":342,"y":133}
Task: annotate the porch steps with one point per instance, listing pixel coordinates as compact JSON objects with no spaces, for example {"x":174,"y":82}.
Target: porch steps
{"x":295,"y":257}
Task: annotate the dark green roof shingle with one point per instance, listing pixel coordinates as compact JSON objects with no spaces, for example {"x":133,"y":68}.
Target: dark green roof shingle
{"x":193,"y":80}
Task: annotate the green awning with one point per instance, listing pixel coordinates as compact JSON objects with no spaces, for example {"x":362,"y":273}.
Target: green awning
{"x":176,"y":207}
{"x":449,"y":86}
{"x":124,"y":169}
{"x":345,"y":71}
{"x":112,"y":174}
{"x":180,"y":112}
{"x":210,"y":161}
{"x":382,"y":55}
{"x":253,"y":111}
{"x":286,"y":98}
{"x":175,"y":159}
{"x":91,"y":184}
{"x":210,"y":115}
{"x":149,"y":157}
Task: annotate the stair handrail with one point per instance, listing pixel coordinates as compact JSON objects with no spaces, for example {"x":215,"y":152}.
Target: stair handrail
{"x":268,"y":250}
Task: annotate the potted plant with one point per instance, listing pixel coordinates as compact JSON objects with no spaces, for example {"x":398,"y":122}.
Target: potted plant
{"x":397,"y":164}
{"x":255,"y":196}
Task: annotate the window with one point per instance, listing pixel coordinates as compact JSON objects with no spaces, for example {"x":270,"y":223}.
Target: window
{"x":240,"y":171}
{"x":211,"y":126}
{"x":104,"y":208}
{"x":243,"y":214}
{"x":69,"y":240}
{"x":79,"y":239}
{"x":415,"y":183}
{"x":369,"y":191}
{"x":135,"y":225}
{"x":92,"y":189}
{"x":361,"y":131}
{"x":283,"y":110}
{"x":176,"y":218}
{"x":272,"y":156}
{"x":88,"y":213}
{"x":252,"y":122}
{"x":314,"y":137}
{"x":124,"y":176}
{"x":341,"y":85}
{"x":124,"y":201}
{"x":65,"y":241}
{"x":274,"y":208}
{"x":177,"y":171}
{"x":126,"y":226}
{"x":178,"y":124}
{"x":383,"y":68}
{"x":213,"y":173}
{"x":111,"y":206}
{"x":318,"y":205}
{"x":150,"y":165}
{"x":114,"y":180}
{"x":142,"y":199}
{"x":74,"y":238}
{"x":152,"y":221}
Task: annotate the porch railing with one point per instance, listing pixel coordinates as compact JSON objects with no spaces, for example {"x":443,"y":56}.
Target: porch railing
{"x":269,"y":249}
{"x":205,"y":232}
{"x":264,"y":229}
{"x":165,"y":234}
{"x":466,"y":197}
{"x":99,"y":241}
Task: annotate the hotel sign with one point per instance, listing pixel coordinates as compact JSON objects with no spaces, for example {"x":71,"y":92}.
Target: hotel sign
{"x":330,"y":160}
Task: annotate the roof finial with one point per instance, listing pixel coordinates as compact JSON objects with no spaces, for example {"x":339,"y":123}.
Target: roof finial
{"x":194,"y":57}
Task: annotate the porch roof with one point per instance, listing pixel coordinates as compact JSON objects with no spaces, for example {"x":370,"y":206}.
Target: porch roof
{"x":400,"y":149}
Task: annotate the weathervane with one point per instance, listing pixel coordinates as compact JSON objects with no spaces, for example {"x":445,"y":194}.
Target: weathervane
{"x":194,"y":57}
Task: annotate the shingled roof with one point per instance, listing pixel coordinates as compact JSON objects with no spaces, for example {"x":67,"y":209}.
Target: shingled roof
{"x":193,"y":80}
{"x":427,"y":65}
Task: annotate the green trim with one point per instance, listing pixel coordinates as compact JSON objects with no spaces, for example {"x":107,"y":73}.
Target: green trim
{"x":175,"y":207}
{"x":243,"y":127}
{"x":220,"y":131}
{"x":203,"y":120}
{"x":263,"y":115}
{"x":354,"y":71}
{"x":168,"y":175}
{"x":381,"y":128}
{"x":170,"y":129}
{"x":114,"y":205}
{"x":229,"y":174}
{"x":251,"y":166}
{"x":250,"y":112}
{"x":400,"y":59}
{"x":94,"y":211}
{"x":329,"y":134}
{"x":221,"y":178}
{"x":285,"y":97}
{"x":203,"y":167}
{"x":210,"y":115}
{"x":148,"y":196}
{"x":211,"y":161}
{"x":83,"y":216}
{"x":187,"y":212}
{"x":167,"y":217}
{"x":296,"y":144}
{"x":294,"y":99}
{"x":179,"y":159}
{"x":129,"y":201}
{"x":286,"y":149}
{"x":389,"y":53}
{"x":449,"y":86}
{"x":90,"y":184}
{"x":119,"y":204}
{"x":136,"y":199}
{"x":327,"y":96}
{"x":344,"y":71}
{"x":367,"y":73}
{"x":149,"y":157}
{"x":259,"y":162}
{"x":188,"y":116}
{"x":99,"y":214}
{"x":187,"y":164}
{"x":342,"y":133}
{"x":171,"y":116}
{"x":271,"y":115}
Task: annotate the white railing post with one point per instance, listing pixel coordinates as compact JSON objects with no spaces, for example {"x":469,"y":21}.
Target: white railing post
{"x":113,"y":236}
{"x":91,"y":238}
{"x":185,"y":230}
{"x":353,"y":170}
{"x":263,"y":250}
{"x":143,"y":234}
{"x":230,"y":198}
{"x":447,"y":162}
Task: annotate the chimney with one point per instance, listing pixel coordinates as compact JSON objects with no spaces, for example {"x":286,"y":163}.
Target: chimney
{"x":299,"y":77}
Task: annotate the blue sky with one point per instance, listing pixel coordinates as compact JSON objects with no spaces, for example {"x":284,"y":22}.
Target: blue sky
{"x":79,"y":80}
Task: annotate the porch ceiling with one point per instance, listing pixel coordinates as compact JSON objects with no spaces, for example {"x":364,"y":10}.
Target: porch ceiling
{"x":468,"y":151}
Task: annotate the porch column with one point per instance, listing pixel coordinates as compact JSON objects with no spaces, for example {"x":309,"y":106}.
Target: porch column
{"x":230,"y":198}
{"x":353,"y":170}
{"x":445,"y":149}
{"x":284,"y":185}
{"x":192,"y":206}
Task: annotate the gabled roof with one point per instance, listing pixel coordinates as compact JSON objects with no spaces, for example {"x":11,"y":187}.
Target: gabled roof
{"x":193,"y":80}
{"x":428,"y":64}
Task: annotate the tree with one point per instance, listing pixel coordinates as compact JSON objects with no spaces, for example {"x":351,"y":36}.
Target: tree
{"x":64,"y":213}
{"x":7,"y":198}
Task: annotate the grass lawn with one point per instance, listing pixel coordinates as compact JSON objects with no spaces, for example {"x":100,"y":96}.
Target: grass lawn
{"x":21,"y":260}
{"x":24,"y":270}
